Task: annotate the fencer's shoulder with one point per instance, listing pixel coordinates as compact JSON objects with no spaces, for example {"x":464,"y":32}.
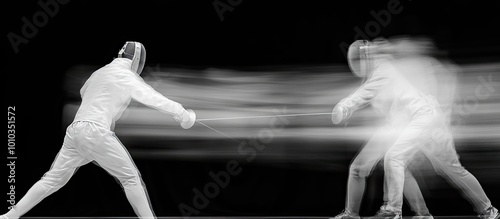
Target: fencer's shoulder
{"x":384,"y":69}
{"x":120,"y":67}
{"x":118,"y":64}
{"x":429,"y":61}
{"x":126,"y":76}
{"x":385,"y":65}
{"x":123,"y":62}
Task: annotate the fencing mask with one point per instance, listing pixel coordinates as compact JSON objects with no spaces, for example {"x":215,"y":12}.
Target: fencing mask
{"x":357,"y":58}
{"x":363,"y":55}
{"x":136,"y":52}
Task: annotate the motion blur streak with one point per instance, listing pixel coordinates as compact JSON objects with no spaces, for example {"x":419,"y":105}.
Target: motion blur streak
{"x":216,"y":93}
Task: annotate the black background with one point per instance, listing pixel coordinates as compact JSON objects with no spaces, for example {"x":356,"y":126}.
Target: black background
{"x":190,"y":34}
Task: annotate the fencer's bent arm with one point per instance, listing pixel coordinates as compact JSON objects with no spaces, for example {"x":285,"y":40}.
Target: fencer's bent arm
{"x":142,"y":92}
{"x":364,"y":94}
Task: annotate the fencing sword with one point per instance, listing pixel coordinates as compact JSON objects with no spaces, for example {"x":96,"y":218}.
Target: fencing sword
{"x":201,"y":121}
{"x":266,"y":116}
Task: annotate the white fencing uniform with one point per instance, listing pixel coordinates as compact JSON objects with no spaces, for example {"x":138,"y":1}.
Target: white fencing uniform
{"x":429,"y":132}
{"x":377,"y":90}
{"x":392,"y":92}
{"x":90,"y":137}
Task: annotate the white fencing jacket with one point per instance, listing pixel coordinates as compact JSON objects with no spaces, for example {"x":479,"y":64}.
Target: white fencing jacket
{"x":390,"y":93}
{"x":109,"y":90}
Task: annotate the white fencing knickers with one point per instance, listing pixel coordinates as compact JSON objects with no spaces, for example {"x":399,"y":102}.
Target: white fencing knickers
{"x":85,"y":142}
{"x":428,"y":133}
{"x":366,"y":160}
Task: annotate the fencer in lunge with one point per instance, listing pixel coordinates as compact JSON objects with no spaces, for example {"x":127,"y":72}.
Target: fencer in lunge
{"x":90,"y":137}
{"x":395,"y":93}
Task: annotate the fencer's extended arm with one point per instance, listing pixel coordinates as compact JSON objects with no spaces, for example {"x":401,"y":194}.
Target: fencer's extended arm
{"x":144,"y":93}
{"x":364,"y":94}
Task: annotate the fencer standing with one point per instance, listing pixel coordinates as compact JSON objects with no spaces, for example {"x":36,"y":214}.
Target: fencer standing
{"x":396,"y":93}
{"x":370,"y":61}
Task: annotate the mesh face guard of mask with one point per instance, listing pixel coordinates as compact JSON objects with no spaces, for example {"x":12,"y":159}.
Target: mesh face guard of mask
{"x":358,"y":58}
{"x":136,"y":52}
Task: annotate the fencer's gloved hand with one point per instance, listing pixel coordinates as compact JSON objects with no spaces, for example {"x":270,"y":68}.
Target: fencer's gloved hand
{"x":338,"y":114}
{"x":187,"y":119}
